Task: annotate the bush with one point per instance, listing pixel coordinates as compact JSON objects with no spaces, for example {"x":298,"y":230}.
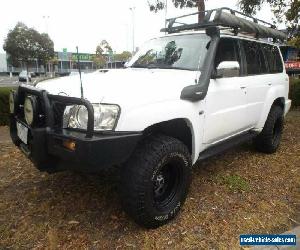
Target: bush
{"x":295,"y":91}
{"x":4,"y":106}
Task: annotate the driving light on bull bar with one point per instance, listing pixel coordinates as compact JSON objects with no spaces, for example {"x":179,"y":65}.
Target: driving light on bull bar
{"x":30,"y":109}
{"x":105,"y":116}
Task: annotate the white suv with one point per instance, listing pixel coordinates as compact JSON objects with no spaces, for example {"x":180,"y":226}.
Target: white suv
{"x":184,"y":97}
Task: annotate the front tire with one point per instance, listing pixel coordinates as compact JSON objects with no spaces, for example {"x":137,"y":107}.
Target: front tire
{"x":269,"y":139}
{"x":155,"y":181}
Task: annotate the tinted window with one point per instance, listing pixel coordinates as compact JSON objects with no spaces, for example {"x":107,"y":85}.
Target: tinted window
{"x":255,"y":61}
{"x":227,"y":51}
{"x":273,"y":58}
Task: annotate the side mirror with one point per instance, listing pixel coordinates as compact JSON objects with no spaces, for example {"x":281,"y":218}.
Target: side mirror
{"x":227,"y":69}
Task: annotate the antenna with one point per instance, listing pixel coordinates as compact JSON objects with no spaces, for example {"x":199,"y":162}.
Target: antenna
{"x":79,"y":69}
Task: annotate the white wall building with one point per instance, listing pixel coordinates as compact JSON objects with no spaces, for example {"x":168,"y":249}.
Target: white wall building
{"x":3,"y":62}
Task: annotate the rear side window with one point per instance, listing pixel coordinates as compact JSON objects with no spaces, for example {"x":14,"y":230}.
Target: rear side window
{"x":255,"y":61}
{"x":273,"y":58}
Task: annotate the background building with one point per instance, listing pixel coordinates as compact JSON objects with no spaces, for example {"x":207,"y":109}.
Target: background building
{"x":66,"y":62}
{"x":3,"y":62}
{"x":291,"y":57}
{"x":62,"y":64}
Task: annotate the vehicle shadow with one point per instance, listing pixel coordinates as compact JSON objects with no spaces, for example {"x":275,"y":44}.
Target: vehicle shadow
{"x":87,"y":200}
{"x":93,"y":200}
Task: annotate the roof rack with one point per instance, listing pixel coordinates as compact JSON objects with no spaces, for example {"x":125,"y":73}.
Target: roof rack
{"x":227,"y":18}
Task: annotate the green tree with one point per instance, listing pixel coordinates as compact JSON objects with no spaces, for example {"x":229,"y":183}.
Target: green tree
{"x":104,"y":45}
{"x":99,"y":61}
{"x":45,"y":51}
{"x":25,"y":44}
{"x":156,"y":5}
{"x":124,"y":56}
{"x":101,"y":49}
{"x":284,"y":10}
{"x":295,"y":41}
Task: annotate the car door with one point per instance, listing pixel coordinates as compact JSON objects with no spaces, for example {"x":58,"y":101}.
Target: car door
{"x":225,"y":103}
{"x":257,"y":79}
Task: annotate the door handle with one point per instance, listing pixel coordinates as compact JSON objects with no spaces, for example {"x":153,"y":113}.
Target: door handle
{"x":270,"y":84}
{"x":243,"y":87}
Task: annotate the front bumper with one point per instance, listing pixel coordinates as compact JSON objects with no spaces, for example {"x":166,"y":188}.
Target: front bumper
{"x":46,"y":145}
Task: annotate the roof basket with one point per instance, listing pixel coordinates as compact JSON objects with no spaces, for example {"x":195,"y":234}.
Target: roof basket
{"x":227,"y":18}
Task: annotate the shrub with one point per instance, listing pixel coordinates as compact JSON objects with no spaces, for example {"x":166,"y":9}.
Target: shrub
{"x":295,"y":91}
{"x":4,"y":106}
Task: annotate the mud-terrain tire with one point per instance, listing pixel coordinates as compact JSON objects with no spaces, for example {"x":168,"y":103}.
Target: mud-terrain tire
{"x":155,"y":181}
{"x":269,"y":139}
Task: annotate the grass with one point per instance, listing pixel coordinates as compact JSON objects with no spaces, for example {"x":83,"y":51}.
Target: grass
{"x":235,"y":183}
{"x":294,"y":93}
{"x":241,"y":191}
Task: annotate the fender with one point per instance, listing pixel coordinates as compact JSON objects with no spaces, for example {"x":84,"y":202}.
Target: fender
{"x":142,"y":117}
{"x":275,"y":92}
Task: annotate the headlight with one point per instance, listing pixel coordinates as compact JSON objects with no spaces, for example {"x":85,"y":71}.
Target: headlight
{"x":105,"y":116}
{"x":29,"y":109}
{"x":11,"y":102}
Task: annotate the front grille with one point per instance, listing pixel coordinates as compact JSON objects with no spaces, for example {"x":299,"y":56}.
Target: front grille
{"x":58,"y":112}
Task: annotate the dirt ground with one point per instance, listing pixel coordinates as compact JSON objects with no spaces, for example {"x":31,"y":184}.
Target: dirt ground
{"x":239,"y":192}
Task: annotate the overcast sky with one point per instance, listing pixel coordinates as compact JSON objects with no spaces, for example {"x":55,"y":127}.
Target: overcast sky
{"x":86,"y":23}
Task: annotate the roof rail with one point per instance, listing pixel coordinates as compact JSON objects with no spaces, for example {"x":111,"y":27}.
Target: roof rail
{"x":228,"y":19}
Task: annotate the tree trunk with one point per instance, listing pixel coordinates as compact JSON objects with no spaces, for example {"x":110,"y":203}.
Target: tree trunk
{"x":201,"y":9}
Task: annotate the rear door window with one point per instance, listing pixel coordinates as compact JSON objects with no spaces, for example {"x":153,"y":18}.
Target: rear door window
{"x":273,"y":58}
{"x":255,"y":61}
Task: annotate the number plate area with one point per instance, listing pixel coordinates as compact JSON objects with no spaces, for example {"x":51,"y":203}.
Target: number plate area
{"x":22,"y":132}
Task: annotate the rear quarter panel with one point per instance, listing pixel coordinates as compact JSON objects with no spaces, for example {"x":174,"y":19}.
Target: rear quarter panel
{"x":279,"y":89}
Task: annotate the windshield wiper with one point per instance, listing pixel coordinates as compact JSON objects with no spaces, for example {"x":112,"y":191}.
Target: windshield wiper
{"x":164,"y":66}
{"x":137,"y":66}
{"x":150,"y":66}
{"x":158,"y":66}
{"x":181,"y":68}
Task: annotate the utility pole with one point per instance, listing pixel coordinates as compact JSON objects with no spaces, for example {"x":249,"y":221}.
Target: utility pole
{"x":133,"y":46}
{"x":46,"y":18}
{"x":166,"y":12}
{"x":37,"y":65}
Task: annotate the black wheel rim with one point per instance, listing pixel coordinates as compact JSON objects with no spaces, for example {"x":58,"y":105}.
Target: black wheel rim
{"x":167,"y":182}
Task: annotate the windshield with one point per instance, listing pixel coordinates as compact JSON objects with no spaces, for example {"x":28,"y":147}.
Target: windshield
{"x":185,"y":52}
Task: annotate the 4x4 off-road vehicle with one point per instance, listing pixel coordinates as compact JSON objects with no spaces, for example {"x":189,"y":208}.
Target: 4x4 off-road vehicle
{"x":183,"y":97}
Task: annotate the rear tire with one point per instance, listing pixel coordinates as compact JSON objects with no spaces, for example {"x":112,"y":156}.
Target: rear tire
{"x":269,"y":139}
{"x":155,"y":181}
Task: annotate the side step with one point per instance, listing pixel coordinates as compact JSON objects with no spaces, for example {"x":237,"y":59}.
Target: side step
{"x":227,"y":144}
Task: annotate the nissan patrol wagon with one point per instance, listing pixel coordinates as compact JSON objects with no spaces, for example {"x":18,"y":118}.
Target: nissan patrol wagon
{"x":190,"y":94}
